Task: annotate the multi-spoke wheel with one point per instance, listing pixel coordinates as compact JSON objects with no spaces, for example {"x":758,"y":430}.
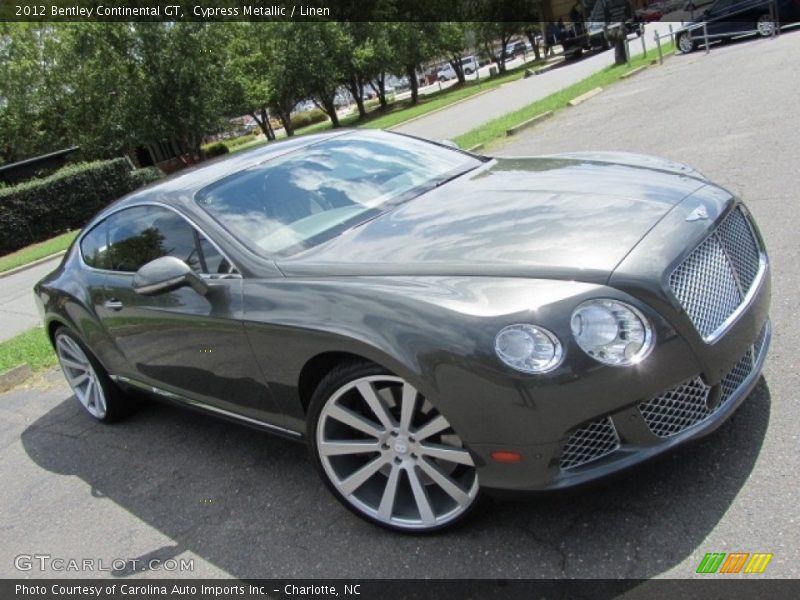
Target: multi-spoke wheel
{"x":685,"y":43}
{"x":387,"y":453}
{"x":86,"y":377}
{"x":765,"y":26}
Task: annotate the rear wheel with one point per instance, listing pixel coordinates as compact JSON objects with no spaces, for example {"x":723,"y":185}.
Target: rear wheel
{"x":89,"y":382}
{"x":387,"y":454}
{"x":765,"y":26}
{"x":686,"y":44}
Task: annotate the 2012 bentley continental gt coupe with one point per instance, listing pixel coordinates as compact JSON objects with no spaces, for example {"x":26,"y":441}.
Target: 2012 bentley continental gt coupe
{"x":434,"y":324}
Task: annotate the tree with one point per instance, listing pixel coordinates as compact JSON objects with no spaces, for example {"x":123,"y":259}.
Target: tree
{"x":413,"y":44}
{"x":500,"y":21}
{"x":325,"y":52}
{"x":451,"y":41}
{"x":246,"y":74}
{"x":182,"y":63}
{"x":101,"y":93}
{"x":29,"y":120}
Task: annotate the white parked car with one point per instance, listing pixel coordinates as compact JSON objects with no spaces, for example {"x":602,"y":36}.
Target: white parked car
{"x":469,"y":64}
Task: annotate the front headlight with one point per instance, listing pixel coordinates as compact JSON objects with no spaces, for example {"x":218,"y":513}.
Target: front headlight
{"x":612,"y":332}
{"x":528,"y":348}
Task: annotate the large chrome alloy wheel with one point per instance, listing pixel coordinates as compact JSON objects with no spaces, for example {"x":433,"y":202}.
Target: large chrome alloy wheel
{"x":392,"y":456}
{"x":81,"y":376}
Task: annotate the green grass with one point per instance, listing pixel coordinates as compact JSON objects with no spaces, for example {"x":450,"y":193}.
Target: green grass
{"x":496,"y":129}
{"x":26,"y":255}
{"x":30,"y":347}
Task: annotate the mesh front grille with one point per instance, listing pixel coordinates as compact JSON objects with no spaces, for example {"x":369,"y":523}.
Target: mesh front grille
{"x":590,"y":442}
{"x":713,"y":280}
{"x":737,"y":375}
{"x":685,"y":405}
{"x":676,"y":409}
{"x":738,"y":241}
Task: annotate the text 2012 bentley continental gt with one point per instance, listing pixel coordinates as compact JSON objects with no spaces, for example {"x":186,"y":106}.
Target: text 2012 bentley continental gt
{"x":435,"y":324}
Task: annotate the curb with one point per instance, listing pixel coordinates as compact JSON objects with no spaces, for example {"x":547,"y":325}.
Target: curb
{"x":475,"y":148}
{"x":633,"y":72}
{"x":532,"y":121}
{"x":14,"y":376}
{"x":550,"y":67}
{"x":433,"y":112}
{"x":30,"y":265}
{"x":584,"y":97}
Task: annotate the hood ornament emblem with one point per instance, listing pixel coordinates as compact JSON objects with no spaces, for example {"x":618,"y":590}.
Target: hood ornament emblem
{"x":698,"y":214}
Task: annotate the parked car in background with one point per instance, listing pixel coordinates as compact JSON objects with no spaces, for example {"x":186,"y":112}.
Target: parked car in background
{"x":726,"y":19}
{"x":515,"y":48}
{"x":433,"y":324}
{"x":469,"y":64}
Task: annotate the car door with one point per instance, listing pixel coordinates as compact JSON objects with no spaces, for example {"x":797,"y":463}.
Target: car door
{"x":181,"y":342}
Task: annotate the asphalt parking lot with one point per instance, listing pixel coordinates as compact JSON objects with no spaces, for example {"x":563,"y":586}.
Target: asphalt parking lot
{"x":172,"y":484}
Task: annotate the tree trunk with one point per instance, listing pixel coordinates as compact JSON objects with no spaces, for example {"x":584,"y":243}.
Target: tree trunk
{"x":263,"y":123}
{"x":620,"y":57}
{"x":283,"y":115}
{"x":534,"y":45}
{"x":356,"y":89}
{"x":330,"y":108}
{"x":411,"y":73}
{"x":455,"y":62}
{"x":270,"y":133}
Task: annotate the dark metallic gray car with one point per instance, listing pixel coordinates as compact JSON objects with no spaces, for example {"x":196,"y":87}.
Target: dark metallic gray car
{"x":435,"y":324}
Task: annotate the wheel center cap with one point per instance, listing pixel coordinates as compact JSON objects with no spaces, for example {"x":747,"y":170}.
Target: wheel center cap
{"x":400,"y":446}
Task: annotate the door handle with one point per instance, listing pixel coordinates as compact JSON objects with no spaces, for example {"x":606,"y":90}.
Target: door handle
{"x":113,"y":304}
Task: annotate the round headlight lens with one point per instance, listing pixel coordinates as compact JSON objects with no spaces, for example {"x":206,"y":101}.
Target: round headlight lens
{"x":528,"y":348}
{"x":612,"y":332}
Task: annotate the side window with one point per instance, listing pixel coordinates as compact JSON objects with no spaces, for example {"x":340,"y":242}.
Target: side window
{"x":94,"y":247}
{"x":141,"y":234}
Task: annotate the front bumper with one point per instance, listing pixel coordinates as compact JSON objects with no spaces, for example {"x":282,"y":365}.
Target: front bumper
{"x":631,"y":435}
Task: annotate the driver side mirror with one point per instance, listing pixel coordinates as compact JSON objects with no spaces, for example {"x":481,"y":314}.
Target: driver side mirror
{"x":166,"y":274}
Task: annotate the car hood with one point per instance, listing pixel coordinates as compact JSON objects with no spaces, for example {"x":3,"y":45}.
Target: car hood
{"x":572,"y":216}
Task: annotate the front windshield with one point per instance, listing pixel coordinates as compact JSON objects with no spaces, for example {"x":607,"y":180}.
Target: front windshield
{"x":311,"y":195}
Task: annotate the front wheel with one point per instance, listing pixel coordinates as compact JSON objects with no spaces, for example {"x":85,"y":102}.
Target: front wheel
{"x":387,"y":454}
{"x":686,"y":44}
{"x":765,"y":26}
{"x":90,"y":384}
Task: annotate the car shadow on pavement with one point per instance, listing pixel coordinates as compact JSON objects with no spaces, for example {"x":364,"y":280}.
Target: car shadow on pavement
{"x":252,"y":505}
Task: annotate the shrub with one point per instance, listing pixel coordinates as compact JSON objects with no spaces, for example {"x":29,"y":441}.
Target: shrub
{"x":38,"y":209}
{"x":213,"y":149}
{"x":304,"y":119}
{"x":146,"y":175}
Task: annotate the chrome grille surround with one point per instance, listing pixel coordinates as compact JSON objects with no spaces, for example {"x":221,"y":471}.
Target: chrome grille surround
{"x":719,"y":277}
{"x":590,"y":442}
{"x":687,"y":404}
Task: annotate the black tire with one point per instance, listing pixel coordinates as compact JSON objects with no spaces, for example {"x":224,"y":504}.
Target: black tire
{"x":468,"y":71}
{"x":115,"y":404}
{"x":337,"y":390}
